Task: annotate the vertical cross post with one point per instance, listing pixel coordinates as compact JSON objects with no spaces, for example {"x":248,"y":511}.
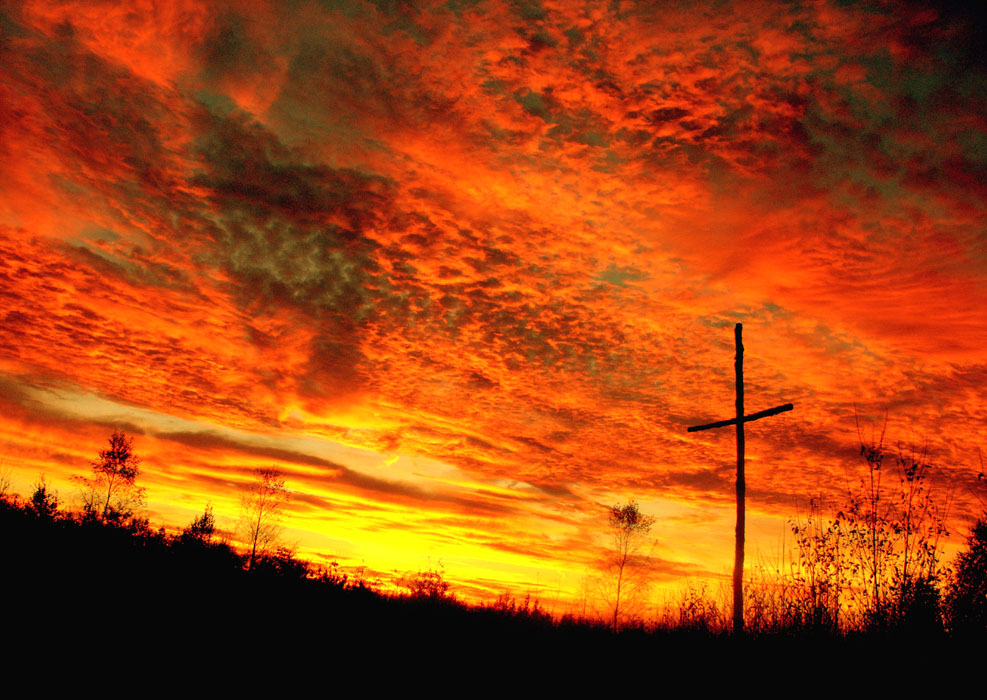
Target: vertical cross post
{"x":738,"y":554}
{"x":739,"y":420}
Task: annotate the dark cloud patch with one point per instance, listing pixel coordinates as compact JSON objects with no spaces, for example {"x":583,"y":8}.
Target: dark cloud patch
{"x":404,"y":16}
{"x":214,"y":442}
{"x":667,"y":114}
{"x":341,"y":87}
{"x":478,"y":381}
{"x":883,"y":122}
{"x":529,"y":10}
{"x":620,"y":276}
{"x":474,"y":441}
{"x":317,"y":502}
{"x":534,"y":444}
{"x":230,"y":49}
{"x":713,"y":483}
{"x":556,"y":490}
{"x":583,"y":128}
{"x":248,"y":169}
{"x":295,"y":235}
{"x":535,"y":103}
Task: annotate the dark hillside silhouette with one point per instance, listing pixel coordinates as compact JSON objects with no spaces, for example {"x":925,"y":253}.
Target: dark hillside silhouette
{"x":85,"y":585}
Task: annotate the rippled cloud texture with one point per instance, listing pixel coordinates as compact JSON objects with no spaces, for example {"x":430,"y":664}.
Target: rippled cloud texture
{"x":467,"y":270}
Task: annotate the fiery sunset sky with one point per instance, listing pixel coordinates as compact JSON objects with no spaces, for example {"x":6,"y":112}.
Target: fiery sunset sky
{"x":467,"y":270}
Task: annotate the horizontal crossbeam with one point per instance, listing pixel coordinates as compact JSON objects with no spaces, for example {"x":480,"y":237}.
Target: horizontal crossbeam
{"x":747,"y":419}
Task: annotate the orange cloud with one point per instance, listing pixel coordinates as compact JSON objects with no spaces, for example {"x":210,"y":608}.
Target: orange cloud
{"x":506,"y":241}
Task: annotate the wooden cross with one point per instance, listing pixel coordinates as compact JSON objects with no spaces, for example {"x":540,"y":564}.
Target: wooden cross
{"x":738,"y":560}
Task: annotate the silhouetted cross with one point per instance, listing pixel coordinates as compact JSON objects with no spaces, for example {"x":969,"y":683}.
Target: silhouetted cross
{"x":738,"y":560}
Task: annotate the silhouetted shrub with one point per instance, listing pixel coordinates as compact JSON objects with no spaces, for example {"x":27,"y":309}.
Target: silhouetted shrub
{"x":44,"y":500}
{"x":202,"y":527}
{"x":282,"y":564}
{"x":427,"y":585}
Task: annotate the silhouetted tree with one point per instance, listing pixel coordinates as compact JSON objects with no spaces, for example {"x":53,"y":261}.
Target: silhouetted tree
{"x":44,"y":500}
{"x":331,"y":575}
{"x":260,"y":513}
{"x":967,"y":596}
{"x":629,"y":530}
{"x":111,"y":493}
{"x":5,"y":482}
